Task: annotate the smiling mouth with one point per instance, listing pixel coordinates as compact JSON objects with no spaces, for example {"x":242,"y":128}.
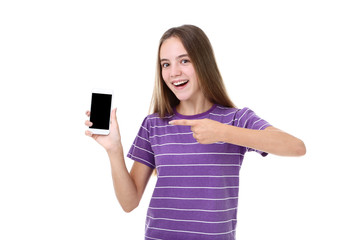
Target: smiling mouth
{"x":180,"y":83}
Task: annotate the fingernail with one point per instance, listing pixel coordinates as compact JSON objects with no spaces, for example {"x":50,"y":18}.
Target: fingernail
{"x":171,"y":122}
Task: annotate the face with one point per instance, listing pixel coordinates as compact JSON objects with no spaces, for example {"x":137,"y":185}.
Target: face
{"x":177,"y":70}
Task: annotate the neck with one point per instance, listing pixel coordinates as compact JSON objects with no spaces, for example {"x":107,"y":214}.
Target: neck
{"x":194,"y":107}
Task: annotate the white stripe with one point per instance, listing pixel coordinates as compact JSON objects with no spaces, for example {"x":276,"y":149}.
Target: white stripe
{"x":194,"y":210}
{"x":207,"y":199}
{"x":179,"y":143}
{"x":233,"y":120}
{"x":223,"y":114}
{"x":264,"y":125}
{"x":203,"y":233}
{"x":242,"y":116}
{"x":248,"y":119}
{"x":211,"y":153}
{"x":162,"y":126}
{"x":255,"y":122}
{"x":143,"y":138}
{"x":143,"y":149}
{"x":199,"y":176}
{"x":159,"y":145}
{"x":152,"y":238}
{"x":141,"y":159}
{"x":185,"y":220}
{"x":198,"y":187}
{"x":200,"y":165}
{"x":145,"y":129}
{"x":170,"y":134}
{"x":160,"y":117}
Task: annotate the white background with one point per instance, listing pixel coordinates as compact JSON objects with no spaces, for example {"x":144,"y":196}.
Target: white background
{"x":296,"y":63}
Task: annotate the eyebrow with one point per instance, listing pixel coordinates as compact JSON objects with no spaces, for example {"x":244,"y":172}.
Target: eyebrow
{"x":178,"y":57}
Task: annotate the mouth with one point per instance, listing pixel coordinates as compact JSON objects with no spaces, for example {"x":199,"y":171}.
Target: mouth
{"x":180,"y":83}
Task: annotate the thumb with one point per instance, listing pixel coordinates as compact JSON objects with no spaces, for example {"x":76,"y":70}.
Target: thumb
{"x":113,"y":115}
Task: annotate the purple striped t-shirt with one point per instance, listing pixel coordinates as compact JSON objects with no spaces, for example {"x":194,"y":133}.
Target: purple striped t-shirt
{"x":196,"y":193}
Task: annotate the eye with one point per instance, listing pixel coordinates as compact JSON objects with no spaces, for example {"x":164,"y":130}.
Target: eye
{"x":185,"y":61}
{"x":165,"y":65}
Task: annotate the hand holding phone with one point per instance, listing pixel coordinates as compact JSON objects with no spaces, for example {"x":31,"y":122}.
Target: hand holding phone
{"x":107,"y":136}
{"x":100,"y":111}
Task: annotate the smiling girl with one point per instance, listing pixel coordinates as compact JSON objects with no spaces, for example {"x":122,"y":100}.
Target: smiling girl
{"x":196,"y":140}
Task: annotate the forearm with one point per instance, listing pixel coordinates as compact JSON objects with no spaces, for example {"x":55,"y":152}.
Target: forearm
{"x":124,"y":186}
{"x":271,"y":141}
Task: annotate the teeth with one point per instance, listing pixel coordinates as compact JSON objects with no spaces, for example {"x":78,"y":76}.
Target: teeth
{"x":179,"y":83}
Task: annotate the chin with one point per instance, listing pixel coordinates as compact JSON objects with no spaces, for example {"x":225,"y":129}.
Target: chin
{"x":182,"y":97}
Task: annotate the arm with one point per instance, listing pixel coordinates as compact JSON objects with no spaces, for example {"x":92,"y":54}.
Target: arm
{"x":270,"y":140}
{"x":129,"y":187}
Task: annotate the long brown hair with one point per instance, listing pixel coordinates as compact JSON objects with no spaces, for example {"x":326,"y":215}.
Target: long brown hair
{"x":201,"y":54}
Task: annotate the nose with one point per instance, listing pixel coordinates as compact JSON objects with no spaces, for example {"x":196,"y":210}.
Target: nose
{"x":175,"y":71}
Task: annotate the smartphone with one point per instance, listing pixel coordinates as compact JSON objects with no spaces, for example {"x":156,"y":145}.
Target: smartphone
{"x":100,"y":111}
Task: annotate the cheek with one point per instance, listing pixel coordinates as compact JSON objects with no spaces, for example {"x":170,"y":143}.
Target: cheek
{"x":191,"y":73}
{"x":165,"y":75}
{"x":194,"y":77}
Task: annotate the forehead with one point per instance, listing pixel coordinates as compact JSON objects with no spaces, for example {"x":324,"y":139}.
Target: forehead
{"x":171,"y":48}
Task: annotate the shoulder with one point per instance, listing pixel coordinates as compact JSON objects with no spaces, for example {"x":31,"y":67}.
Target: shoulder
{"x":224,"y":114}
{"x":232,"y":115}
{"x":221,"y":110}
{"x":244,"y":113}
{"x":247,"y":118}
{"x":228,"y":111}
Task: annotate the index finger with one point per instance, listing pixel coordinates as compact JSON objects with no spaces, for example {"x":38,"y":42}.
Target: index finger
{"x":183,"y":122}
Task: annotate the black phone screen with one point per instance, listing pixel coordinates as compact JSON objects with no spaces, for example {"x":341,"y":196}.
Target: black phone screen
{"x":100,"y":110}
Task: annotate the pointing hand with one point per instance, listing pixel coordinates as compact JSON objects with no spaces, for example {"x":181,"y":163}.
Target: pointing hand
{"x":205,"y":131}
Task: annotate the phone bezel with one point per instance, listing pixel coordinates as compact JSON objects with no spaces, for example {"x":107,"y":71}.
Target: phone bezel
{"x":102,"y":91}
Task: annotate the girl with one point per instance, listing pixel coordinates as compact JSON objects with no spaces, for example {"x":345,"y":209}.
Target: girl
{"x":196,"y":140}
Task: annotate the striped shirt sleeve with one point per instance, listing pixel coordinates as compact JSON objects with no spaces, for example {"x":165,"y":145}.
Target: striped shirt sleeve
{"x":246,"y":118}
{"x":141,"y":150}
